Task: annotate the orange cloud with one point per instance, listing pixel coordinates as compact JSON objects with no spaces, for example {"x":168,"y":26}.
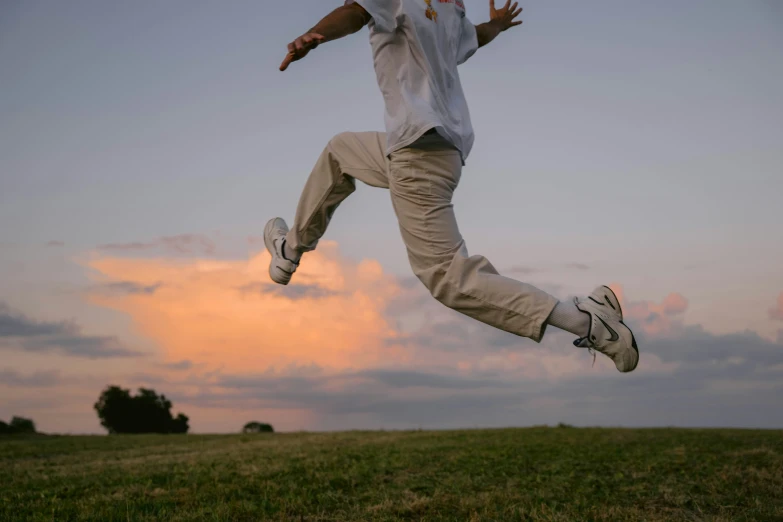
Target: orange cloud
{"x":345,"y":339}
{"x":776,"y":313}
{"x":228,"y":315}
{"x":337,"y":315}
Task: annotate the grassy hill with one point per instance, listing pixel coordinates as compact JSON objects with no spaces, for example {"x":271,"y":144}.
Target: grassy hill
{"x":512,"y":474}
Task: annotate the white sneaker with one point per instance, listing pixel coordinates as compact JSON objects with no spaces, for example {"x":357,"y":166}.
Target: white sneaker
{"x":607,"y":333}
{"x":280,"y":268}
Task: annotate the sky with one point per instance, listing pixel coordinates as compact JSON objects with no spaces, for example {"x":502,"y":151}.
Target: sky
{"x":144,"y":145}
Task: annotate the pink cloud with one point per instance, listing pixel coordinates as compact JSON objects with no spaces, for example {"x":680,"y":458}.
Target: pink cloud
{"x":674,"y":304}
{"x":654,"y":318}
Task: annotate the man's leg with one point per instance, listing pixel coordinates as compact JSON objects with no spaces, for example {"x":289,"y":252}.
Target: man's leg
{"x":347,"y":157}
{"x":422,"y":183}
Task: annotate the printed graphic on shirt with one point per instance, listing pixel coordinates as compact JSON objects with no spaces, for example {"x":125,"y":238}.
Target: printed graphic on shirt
{"x":458,"y":3}
{"x":430,"y":13}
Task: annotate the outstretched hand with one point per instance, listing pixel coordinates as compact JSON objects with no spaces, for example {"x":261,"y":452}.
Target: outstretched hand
{"x":299,"y":48}
{"x":504,"y":17}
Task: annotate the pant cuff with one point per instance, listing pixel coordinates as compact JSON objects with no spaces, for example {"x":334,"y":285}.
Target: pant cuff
{"x":540,"y":324}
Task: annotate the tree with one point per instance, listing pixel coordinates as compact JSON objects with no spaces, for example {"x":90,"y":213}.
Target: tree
{"x":115,"y":409}
{"x":147,"y":412}
{"x":180,"y":424}
{"x":22,"y":425}
{"x":18,"y":425}
{"x":257,"y":427}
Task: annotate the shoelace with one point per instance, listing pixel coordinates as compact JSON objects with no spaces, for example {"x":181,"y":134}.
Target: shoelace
{"x":590,"y":349}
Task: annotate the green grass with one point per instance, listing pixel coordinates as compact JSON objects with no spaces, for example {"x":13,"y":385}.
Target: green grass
{"x":514,"y":474}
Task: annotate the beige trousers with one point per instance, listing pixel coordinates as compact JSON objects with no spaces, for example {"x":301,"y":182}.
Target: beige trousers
{"x":421,"y":180}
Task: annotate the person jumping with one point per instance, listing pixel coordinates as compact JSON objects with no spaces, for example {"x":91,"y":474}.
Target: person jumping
{"x":417,"y":46}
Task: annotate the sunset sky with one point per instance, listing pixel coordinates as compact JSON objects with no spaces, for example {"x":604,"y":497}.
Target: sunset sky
{"x":143,"y":145}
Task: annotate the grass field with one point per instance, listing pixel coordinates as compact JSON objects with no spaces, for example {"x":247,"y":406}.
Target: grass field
{"x":512,"y":474}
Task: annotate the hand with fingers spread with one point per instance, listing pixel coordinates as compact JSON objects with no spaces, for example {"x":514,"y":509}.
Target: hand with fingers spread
{"x":299,"y":48}
{"x":342,"y":21}
{"x":499,"y":21}
{"x":504,"y":17}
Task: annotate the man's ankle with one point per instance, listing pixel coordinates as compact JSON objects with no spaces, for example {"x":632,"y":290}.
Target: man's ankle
{"x":290,"y":254}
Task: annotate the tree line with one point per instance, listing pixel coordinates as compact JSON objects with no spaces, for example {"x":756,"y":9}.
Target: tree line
{"x":17,"y":426}
{"x":121,"y":412}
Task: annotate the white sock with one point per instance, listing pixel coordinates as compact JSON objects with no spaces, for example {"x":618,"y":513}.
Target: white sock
{"x":291,"y":254}
{"x":567,"y":316}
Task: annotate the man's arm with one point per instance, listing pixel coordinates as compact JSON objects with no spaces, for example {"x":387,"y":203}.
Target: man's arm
{"x":344,"y":20}
{"x":499,"y":20}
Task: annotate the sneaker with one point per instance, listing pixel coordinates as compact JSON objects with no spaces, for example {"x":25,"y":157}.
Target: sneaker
{"x":607,"y":332}
{"x":280,"y":268}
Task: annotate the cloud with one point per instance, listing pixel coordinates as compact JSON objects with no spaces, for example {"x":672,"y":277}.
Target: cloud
{"x":776,"y":313}
{"x":179,"y":365}
{"x":55,"y":244}
{"x":130,"y":287}
{"x":451,"y":333}
{"x":19,"y":332}
{"x":347,"y":345}
{"x":334,"y":393}
{"x":180,"y":244}
{"x":292,"y":292}
{"x":13,"y":324}
{"x":12,"y":378}
{"x":528,"y":270}
{"x":224,"y":314}
{"x":120,"y":247}
{"x":674,"y":304}
{"x":694,"y":345}
{"x":705,"y":380}
{"x":651,"y":317}
{"x":406,"y":378}
{"x":524,"y":270}
{"x":92,"y":347}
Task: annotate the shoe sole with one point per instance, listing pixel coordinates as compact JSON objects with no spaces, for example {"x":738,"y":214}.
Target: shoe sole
{"x":619,"y":310}
{"x":267,"y":230}
{"x":270,"y":247}
{"x":633,"y":337}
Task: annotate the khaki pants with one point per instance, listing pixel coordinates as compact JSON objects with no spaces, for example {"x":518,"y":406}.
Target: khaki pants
{"x":421,"y":180}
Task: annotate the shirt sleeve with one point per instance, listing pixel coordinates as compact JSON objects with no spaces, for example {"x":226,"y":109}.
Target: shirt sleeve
{"x":383,"y":12}
{"x":468,"y":41}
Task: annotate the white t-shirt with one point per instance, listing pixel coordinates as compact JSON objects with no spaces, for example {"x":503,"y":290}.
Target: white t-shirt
{"x":417,"y":46}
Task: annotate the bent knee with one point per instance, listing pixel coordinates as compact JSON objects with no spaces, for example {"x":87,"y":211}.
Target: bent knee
{"x":341,"y":139}
{"x":435,"y":281}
